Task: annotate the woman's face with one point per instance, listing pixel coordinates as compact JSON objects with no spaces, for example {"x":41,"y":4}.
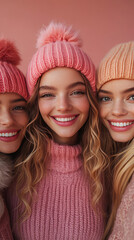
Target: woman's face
{"x":116,"y":101}
{"x":13,"y":119}
{"x":63,"y":103}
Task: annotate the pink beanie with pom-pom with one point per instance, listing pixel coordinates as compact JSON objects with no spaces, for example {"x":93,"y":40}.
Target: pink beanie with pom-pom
{"x":12,"y":79}
{"x":59,"y":46}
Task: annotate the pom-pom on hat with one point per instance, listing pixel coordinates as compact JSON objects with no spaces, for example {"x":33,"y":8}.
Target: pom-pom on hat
{"x":117,"y":64}
{"x":59,"y":46}
{"x":12,"y":79}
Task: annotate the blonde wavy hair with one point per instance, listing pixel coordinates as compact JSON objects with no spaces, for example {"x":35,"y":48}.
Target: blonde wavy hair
{"x":119,"y":173}
{"x":32,"y":160}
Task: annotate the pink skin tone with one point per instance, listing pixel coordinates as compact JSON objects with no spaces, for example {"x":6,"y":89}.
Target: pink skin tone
{"x":116,"y":101}
{"x":13,"y":119}
{"x":63,"y":103}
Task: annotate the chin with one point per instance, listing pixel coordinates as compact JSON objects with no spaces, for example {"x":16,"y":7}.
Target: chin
{"x":121,"y":138}
{"x":9,"y":150}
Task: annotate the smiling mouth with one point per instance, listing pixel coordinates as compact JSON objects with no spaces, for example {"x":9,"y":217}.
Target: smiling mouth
{"x":10,"y":134}
{"x":121,"y":124}
{"x":65,"y":119}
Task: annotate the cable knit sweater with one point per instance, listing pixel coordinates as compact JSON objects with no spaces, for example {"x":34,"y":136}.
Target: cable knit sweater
{"x":63,"y":208}
{"x":124,"y":223}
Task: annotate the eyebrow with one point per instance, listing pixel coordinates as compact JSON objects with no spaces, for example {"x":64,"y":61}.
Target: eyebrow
{"x":129,"y":90}
{"x":18,"y":100}
{"x":104,"y":91}
{"x":53,"y":88}
{"x":125,"y":91}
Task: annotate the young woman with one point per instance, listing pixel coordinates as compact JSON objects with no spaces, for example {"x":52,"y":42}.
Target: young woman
{"x":116,"y":100}
{"x":13,"y":120}
{"x":59,"y":175}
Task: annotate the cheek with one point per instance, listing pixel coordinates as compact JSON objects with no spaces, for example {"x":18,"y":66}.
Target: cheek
{"x":26,"y":119}
{"x":103,"y":111}
{"x":23,"y":120}
{"x":130,"y":109}
{"x":44,"y":108}
{"x":83,"y":105}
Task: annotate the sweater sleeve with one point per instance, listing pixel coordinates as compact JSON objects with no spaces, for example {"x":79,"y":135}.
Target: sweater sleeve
{"x":124,"y":228}
{"x":5,"y":229}
{"x":124,"y":223}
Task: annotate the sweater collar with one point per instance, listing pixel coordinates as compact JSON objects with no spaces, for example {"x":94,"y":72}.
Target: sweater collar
{"x":65,"y":158}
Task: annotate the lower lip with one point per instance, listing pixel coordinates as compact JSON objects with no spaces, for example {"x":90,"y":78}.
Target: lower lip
{"x":9,"y":139}
{"x":65,"y":124}
{"x":121,"y":129}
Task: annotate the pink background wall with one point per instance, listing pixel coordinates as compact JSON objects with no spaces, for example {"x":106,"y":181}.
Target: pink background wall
{"x":102,"y":23}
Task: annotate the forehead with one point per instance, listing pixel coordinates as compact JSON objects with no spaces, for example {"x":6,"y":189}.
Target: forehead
{"x":10,"y":97}
{"x":61,"y":77}
{"x":118,"y":85}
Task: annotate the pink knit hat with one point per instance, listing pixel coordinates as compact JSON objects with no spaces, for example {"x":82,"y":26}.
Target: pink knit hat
{"x":12,"y":79}
{"x":59,"y":46}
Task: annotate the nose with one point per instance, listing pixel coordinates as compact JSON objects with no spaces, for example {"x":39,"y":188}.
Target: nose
{"x":119,"y":108}
{"x":6,"y":118}
{"x":63,"y":103}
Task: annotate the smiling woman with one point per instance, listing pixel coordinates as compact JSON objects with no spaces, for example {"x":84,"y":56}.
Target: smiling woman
{"x":64,"y":164}
{"x":116,"y":102}
{"x":63,"y":105}
{"x":13,"y":120}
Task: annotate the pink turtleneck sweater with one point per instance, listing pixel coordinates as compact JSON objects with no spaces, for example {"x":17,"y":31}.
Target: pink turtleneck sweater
{"x":124,"y":222}
{"x":63,"y":208}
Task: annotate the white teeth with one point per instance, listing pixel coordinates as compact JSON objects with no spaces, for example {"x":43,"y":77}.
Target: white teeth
{"x":64,"y":119}
{"x":8,"y":134}
{"x":121,"y":124}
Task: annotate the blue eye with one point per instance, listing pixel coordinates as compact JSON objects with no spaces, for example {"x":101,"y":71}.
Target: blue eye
{"x":131,"y":98}
{"x":19,"y":108}
{"x":104,"y":99}
{"x":78,"y":93}
{"x":46,"y":95}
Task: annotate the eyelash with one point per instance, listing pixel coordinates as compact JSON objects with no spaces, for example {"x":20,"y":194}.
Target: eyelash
{"x":19,"y":108}
{"x":107,"y":99}
{"x":79,"y":92}
{"x":46,"y":95}
{"x":104,"y":99}
{"x":49,"y":95}
{"x":132,"y":96}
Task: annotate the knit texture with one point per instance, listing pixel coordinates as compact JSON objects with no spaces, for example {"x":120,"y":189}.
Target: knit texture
{"x":117,"y":64}
{"x":124,"y":223}
{"x":62,"y":210}
{"x":5,"y":229}
{"x":59,"y":46}
{"x":12,"y":79}
{"x":5,"y":179}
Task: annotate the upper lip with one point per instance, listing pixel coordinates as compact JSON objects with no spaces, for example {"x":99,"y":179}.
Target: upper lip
{"x":9,"y":131}
{"x":121,"y":121}
{"x":64,"y":116}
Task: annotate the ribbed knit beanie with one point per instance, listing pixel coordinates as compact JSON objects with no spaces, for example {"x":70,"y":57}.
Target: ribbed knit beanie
{"x":12,"y":79}
{"x":117,"y":64}
{"x":59,"y":46}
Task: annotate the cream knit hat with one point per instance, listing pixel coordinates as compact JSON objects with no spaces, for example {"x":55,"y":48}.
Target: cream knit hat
{"x":117,"y":64}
